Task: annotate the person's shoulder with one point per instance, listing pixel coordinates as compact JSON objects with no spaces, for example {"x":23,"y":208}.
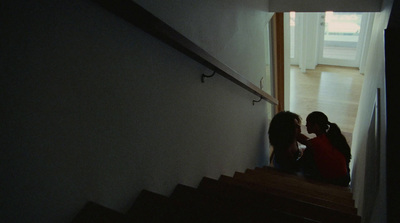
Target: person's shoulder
{"x":324,"y":138}
{"x":316,"y":141}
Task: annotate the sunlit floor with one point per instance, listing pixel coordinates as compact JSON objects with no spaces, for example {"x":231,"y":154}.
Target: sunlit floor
{"x":330,"y":89}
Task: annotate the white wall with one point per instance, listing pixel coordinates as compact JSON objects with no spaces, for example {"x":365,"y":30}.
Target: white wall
{"x":374,"y":78}
{"x":323,"y":5}
{"x":227,"y":29}
{"x":95,"y":109}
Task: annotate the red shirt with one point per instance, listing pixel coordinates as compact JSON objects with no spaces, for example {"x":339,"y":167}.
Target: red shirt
{"x":330,"y":162}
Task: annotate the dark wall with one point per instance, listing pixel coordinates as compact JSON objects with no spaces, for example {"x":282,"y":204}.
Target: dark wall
{"x":94,"y":109}
{"x":392,"y":47}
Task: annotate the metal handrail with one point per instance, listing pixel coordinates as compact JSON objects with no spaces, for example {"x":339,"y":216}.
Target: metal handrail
{"x":143,"y":19}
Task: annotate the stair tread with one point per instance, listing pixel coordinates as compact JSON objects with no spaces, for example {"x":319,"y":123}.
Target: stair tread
{"x":224,"y":209}
{"x":181,"y":206}
{"x":301,"y":208}
{"x":93,"y":212}
{"x":149,"y":207}
{"x":327,"y":186}
{"x":294,"y":188}
{"x":194,"y":206}
{"x":208,"y":184}
{"x":314,"y":184}
{"x":258,"y":195}
{"x":249,"y":198}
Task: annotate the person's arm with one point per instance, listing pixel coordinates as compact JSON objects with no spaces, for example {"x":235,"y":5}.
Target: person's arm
{"x":303,"y":139}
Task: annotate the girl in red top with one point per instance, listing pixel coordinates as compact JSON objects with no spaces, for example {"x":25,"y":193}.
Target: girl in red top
{"x":327,"y":156}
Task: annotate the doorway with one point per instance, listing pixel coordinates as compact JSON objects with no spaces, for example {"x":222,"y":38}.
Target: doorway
{"x":326,"y":53}
{"x":329,"y":38}
{"x":341,"y":38}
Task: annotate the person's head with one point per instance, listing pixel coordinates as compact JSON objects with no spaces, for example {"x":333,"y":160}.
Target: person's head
{"x":283,"y":129}
{"x":317,"y":122}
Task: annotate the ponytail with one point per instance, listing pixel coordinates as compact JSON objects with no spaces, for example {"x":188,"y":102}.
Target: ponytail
{"x":338,"y":140}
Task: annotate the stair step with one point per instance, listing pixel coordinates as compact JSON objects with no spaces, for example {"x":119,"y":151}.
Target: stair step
{"x":314,"y":184}
{"x":96,"y":213}
{"x":228,"y":191}
{"x":327,"y":186}
{"x":149,"y":207}
{"x":293,"y":188}
{"x":191,"y":206}
{"x":305,"y":185}
{"x":294,"y":206}
{"x":248,"y":198}
{"x":258,"y":195}
{"x":223,"y":209}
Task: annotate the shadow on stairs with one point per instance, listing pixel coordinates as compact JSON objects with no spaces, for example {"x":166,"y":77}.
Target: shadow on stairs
{"x":258,"y":195}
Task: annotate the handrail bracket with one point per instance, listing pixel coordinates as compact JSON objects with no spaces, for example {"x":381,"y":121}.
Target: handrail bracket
{"x":206,"y":76}
{"x":255,"y":101}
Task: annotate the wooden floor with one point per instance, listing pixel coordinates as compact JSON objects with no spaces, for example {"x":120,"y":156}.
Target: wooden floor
{"x":330,"y":89}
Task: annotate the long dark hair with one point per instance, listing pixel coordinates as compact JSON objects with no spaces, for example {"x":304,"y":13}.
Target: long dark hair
{"x":335,"y":136}
{"x":282,"y":130}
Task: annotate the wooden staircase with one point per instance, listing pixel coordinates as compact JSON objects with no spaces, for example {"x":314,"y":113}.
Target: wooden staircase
{"x":258,"y":195}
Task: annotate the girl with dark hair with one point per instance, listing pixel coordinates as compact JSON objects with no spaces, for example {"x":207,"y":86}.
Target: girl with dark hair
{"x":328,"y":155}
{"x":283,"y":133}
